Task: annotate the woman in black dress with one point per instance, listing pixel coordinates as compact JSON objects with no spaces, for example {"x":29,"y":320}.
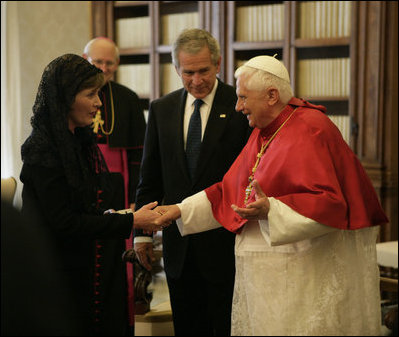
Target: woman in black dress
{"x":65,"y":194}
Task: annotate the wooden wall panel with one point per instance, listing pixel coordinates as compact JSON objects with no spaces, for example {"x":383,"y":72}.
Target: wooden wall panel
{"x":375,"y":108}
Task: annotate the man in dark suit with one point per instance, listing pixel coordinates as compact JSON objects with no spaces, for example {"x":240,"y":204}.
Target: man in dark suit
{"x":199,"y":269}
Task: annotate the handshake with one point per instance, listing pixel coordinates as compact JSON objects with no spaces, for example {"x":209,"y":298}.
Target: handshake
{"x":151,"y":217}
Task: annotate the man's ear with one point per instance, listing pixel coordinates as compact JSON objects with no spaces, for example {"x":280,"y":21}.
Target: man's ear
{"x":272,"y":96}
{"x":218,"y":65}
{"x":85,"y":56}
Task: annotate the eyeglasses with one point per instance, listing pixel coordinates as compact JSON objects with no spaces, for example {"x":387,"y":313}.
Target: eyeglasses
{"x":100,"y":63}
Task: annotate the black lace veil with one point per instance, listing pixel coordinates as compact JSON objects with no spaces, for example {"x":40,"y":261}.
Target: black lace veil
{"x":51,"y":143}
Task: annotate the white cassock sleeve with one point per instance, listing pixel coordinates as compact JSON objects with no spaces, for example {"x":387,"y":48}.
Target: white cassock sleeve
{"x":284,"y":225}
{"x":196,"y":215}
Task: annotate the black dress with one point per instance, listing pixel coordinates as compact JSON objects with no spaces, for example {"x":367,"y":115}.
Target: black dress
{"x":88,"y":249}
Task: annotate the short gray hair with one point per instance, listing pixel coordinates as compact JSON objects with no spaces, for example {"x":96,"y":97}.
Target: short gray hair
{"x":192,"y":41}
{"x":260,"y":80}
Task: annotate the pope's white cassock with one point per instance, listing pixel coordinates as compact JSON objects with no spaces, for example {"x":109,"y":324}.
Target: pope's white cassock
{"x":295,"y":276}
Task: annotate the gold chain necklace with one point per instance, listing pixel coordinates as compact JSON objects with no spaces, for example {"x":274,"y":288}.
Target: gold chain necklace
{"x":249,"y":188}
{"x":97,"y":121}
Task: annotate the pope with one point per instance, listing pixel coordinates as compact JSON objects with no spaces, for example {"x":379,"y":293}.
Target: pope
{"x":305,"y":214}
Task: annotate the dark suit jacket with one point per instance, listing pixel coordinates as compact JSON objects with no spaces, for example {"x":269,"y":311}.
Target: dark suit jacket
{"x":165,"y":178}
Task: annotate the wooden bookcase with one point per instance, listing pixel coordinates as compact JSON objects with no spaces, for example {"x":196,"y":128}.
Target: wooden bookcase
{"x":159,"y":17}
{"x":370,"y":48}
{"x":243,"y":46}
{"x":281,"y":22}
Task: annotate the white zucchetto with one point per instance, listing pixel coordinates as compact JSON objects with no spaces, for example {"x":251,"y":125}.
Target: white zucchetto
{"x":269,"y":64}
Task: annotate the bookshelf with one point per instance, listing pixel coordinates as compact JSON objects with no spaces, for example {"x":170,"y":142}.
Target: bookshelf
{"x":144,"y":32}
{"x":356,"y":47}
{"x":312,"y":39}
{"x":320,"y":49}
{"x":171,"y":17}
{"x":253,"y":31}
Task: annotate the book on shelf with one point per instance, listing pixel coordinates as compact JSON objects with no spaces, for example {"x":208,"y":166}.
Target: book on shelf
{"x":173,"y":24}
{"x":346,"y":17}
{"x":133,"y":32}
{"x":323,"y":77}
{"x":170,"y":80}
{"x":324,"y":19}
{"x":260,"y":23}
{"x":343,"y":124}
{"x":136,"y":77}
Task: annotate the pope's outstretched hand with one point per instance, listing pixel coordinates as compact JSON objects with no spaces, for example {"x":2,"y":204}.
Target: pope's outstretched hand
{"x":257,"y":210}
{"x":169,"y":214}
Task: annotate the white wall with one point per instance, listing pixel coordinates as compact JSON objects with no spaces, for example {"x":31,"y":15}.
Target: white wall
{"x":33,"y":33}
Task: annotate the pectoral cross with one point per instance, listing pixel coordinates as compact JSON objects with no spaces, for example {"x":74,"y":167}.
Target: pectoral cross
{"x":97,"y":121}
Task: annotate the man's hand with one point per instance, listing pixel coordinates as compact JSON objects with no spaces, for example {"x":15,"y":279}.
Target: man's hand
{"x":168,"y":214}
{"x":145,"y":219}
{"x":145,"y":254}
{"x":257,"y":210}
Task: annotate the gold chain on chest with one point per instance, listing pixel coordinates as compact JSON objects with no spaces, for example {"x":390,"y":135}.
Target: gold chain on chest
{"x":249,"y":188}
